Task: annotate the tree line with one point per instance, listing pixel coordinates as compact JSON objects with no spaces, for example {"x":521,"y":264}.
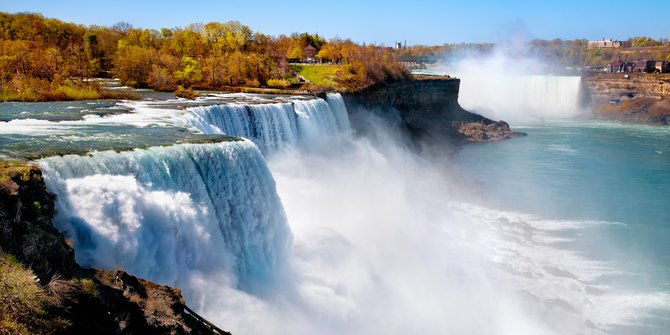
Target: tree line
{"x":557,"y":51}
{"x":40,"y":57}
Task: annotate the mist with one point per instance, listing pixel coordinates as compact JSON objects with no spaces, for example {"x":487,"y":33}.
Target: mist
{"x":337,"y":231}
{"x":384,"y":243}
{"x":510,"y":84}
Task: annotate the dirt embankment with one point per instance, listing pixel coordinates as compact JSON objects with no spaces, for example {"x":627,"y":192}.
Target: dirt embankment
{"x":630,"y":97}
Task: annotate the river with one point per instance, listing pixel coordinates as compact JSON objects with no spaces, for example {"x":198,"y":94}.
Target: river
{"x":283,"y":219}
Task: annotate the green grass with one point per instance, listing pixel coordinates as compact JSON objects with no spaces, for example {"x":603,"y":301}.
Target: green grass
{"x":321,"y":76}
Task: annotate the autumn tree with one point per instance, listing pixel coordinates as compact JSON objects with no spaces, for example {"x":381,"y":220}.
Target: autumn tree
{"x":189,"y":73}
{"x":133,"y":64}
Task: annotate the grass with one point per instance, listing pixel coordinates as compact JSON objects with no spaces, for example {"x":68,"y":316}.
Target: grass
{"x":321,"y":76}
{"x":63,"y":93}
{"x":23,"y":303}
{"x":9,"y":168}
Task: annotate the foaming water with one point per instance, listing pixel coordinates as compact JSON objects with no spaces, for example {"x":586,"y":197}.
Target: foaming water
{"x":381,"y":240}
{"x":516,"y":98}
{"x":274,"y":126}
{"x":510,"y":85}
{"x":168,"y":212}
{"x":600,"y":187}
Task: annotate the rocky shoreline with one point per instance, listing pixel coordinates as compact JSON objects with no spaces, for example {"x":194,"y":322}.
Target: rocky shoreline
{"x":89,"y":301}
{"x":630,"y":97}
{"x":427,"y":108}
{"x":69,"y":299}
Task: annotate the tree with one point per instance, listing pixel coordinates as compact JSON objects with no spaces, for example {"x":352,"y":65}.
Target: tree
{"x":190,"y":72}
{"x":296,"y":53}
{"x":329,"y":52}
{"x":133,"y":65}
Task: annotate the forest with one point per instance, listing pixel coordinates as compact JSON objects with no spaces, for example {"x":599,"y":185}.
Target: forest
{"x":48,"y":59}
{"x":556,"y":52}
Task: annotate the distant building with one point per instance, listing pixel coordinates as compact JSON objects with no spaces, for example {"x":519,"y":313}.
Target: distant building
{"x":605,"y":44}
{"x":662,"y":67}
{"x":645,"y":66}
{"x":309,"y":52}
{"x":629,"y":67}
{"x":616,"y":67}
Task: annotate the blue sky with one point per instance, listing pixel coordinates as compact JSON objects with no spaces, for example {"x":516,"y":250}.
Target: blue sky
{"x":417,"y":22}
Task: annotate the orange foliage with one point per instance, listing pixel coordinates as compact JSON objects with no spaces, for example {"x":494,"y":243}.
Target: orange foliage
{"x":38,"y":55}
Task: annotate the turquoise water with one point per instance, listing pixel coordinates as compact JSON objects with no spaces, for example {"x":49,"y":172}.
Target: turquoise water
{"x":42,"y":129}
{"x":566,"y":227}
{"x":611,"y":179}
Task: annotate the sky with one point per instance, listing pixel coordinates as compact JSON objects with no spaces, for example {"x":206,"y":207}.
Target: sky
{"x":378,"y":22}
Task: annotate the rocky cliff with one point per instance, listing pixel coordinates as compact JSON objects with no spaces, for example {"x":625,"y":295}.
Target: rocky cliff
{"x":427,"y":107}
{"x":44,"y":291}
{"x":630,"y":97}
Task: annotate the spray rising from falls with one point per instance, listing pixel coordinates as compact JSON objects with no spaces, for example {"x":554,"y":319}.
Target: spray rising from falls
{"x":166,"y":212}
{"x":276,"y":125}
{"x":378,"y":242}
{"x":512,"y":84}
{"x":521,"y":97}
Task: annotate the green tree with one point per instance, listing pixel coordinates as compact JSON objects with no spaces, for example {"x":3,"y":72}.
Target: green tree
{"x":190,"y":72}
{"x":296,"y":53}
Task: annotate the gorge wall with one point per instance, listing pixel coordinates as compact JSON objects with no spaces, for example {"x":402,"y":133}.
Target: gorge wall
{"x":630,"y":97}
{"x":44,"y":291}
{"x":115,"y":207}
{"x":427,"y":107}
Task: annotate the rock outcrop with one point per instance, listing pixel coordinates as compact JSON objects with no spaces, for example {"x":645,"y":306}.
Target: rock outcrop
{"x":630,"y":97}
{"x":427,"y":107}
{"x":84,"y":301}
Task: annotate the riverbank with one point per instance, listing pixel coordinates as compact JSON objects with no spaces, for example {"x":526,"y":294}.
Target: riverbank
{"x":53,"y":92}
{"x":630,"y":97}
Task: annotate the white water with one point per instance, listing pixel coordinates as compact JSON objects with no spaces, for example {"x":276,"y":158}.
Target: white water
{"x":167,"y":212}
{"x":276,"y":125}
{"x":518,"y":98}
{"x":510,"y":85}
{"x":381,"y":242}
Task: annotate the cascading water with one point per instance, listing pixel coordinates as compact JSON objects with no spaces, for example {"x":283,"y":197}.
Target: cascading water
{"x":274,"y":125}
{"x":167,"y":212}
{"x":268,"y":125}
{"x":521,"y":97}
{"x":379,"y":240}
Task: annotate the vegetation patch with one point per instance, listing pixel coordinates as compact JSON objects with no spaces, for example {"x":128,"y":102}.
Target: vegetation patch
{"x":45,"y":59}
{"x":323,"y":76}
{"x":24,"y":304}
{"x":10,"y":170}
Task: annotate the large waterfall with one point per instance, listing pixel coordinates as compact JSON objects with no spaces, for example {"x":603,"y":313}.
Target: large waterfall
{"x":382,"y":239}
{"x":274,"y":125}
{"x":521,"y":97}
{"x":166,"y":212}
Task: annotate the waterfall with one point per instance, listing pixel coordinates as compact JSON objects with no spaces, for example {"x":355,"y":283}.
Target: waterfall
{"x":521,"y":97}
{"x":165,"y":212}
{"x":275,"y":125}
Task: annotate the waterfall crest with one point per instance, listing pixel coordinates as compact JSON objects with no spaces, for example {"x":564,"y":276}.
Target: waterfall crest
{"x":165,"y":212}
{"x":273,"y":126}
{"x":521,"y":97}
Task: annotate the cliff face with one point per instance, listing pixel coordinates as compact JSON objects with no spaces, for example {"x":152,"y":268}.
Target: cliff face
{"x":630,"y":97}
{"x":428,"y":108}
{"x":68,"y":299}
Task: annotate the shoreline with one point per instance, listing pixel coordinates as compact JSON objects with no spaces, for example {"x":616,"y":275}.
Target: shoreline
{"x":639,"y":98}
